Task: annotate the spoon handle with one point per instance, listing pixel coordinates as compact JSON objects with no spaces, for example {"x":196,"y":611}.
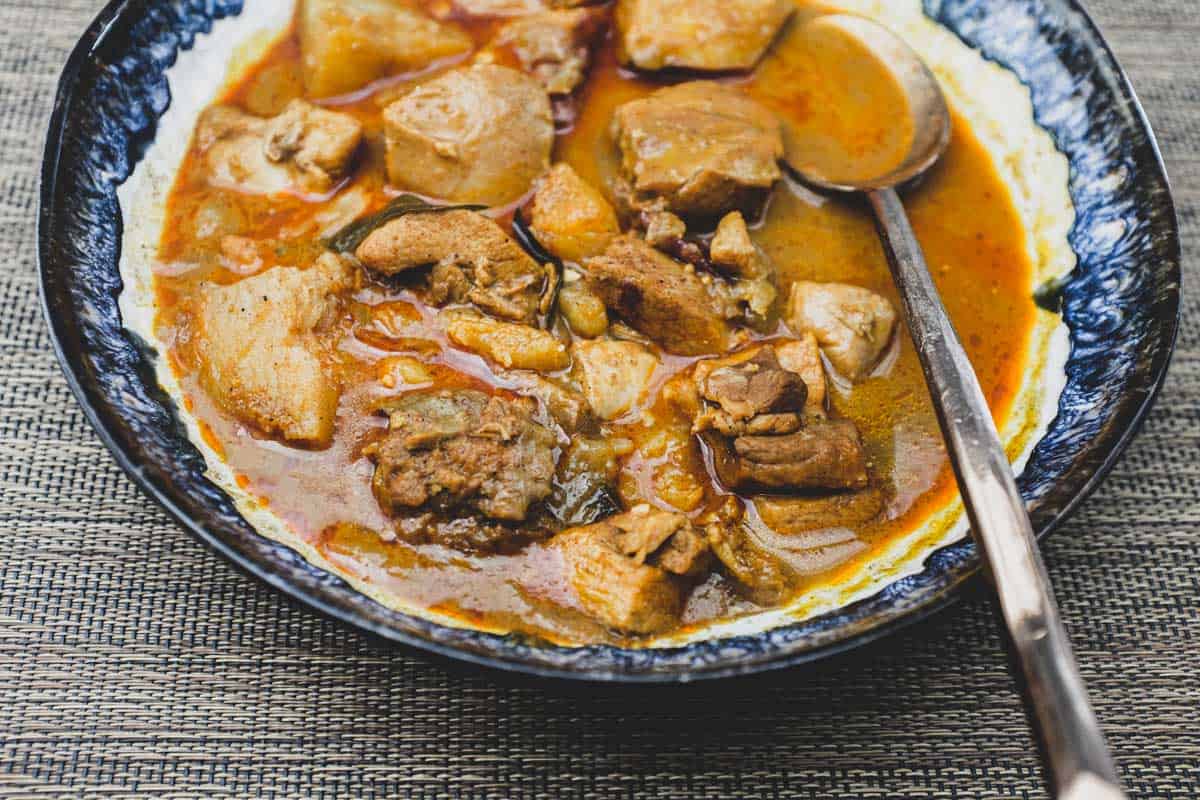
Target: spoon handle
{"x":1074,"y":747}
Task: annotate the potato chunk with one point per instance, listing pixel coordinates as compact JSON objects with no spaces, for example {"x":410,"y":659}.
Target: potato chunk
{"x":499,"y":8}
{"x":475,"y":135}
{"x":346,"y":44}
{"x":698,"y":149}
{"x":261,"y":358}
{"x":582,"y":309}
{"x":852,"y":325}
{"x":509,"y":345}
{"x":712,"y":35}
{"x":660,"y":297}
{"x":569,"y":216}
{"x":616,"y":375}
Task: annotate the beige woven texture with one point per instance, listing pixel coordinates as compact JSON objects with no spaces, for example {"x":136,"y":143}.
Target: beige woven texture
{"x":134,"y":663}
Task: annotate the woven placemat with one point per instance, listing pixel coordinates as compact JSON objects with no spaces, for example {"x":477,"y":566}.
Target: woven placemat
{"x":134,"y":663}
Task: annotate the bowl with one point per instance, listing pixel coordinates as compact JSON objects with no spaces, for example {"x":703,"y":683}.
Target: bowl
{"x":1120,"y":304}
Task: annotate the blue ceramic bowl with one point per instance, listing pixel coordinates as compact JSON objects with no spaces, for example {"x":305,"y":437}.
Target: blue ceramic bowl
{"x":1121,"y":305}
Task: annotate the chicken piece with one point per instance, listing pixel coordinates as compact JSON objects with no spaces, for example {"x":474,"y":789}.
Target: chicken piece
{"x":750,"y":396}
{"x":795,"y":515}
{"x":614,"y":588}
{"x":569,"y":217}
{"x":346,"y":44}
{"x":615,"y":375}
{"x":261,"y":354}
{"x":663,"y":299}
{"x":663,"y":229}
{"x":663,"y":539}
{"x":583,"y":310}
{"x":732,"y":250}
{"x":474,"y":260}
{"x":305,"y":148}
{"x":475,"y":135}
{"x":852,"y":325}
{"x":318,"y":143}
{"x":821,"y":455}
{"x":709,"y":35}
{"x":554,"y":47}
{"x":458,"y":452}
{"x":697,"y":149}
{"x":803,"y":357}
{"x":508,"y":344}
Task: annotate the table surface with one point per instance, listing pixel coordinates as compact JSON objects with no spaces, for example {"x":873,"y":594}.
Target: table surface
{"x":134,"y":663}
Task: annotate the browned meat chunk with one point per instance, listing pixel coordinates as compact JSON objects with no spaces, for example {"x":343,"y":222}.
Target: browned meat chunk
{"x":460,"y":452}
{"x":569,"y":216}
{"x":553,"y":46}
{"x":822,"y":455}
{"x":475,"y":135}
{"x":660,"y":297}
{"x":346,"y":44}
{"x":803,"y":357}
{"x":305,"y":147}
{"x":614,"y":588}
{"x":474,"y":260}
{"x":260,"y":351}
{"x":853,"y":325}
{"x":751,"y":396}
{"x":712,"y":35}
{"x":795,"y":515}
{"x":697,"y":149}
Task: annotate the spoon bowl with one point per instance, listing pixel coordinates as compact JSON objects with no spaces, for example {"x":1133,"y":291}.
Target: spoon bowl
{"x":925,"y":105}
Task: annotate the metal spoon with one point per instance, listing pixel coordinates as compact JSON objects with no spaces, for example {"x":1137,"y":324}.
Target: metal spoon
{"x":1074,"y":748}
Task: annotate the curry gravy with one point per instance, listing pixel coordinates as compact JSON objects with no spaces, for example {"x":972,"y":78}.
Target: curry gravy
{"x":962,"y":214}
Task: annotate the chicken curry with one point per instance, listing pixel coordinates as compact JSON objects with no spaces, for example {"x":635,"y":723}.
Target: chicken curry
{"x":516,"y":310}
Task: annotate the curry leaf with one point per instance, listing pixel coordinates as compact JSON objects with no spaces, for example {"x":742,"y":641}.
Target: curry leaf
{"x":352,"y":235}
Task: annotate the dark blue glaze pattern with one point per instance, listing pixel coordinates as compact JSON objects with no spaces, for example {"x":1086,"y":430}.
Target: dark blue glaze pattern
{"x":1121,"y":304}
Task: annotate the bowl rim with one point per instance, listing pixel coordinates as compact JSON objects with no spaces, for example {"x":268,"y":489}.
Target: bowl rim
{"x":105,"y":421}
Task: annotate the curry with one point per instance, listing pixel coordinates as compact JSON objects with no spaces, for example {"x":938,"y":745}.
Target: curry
{"x":519,"y":313}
